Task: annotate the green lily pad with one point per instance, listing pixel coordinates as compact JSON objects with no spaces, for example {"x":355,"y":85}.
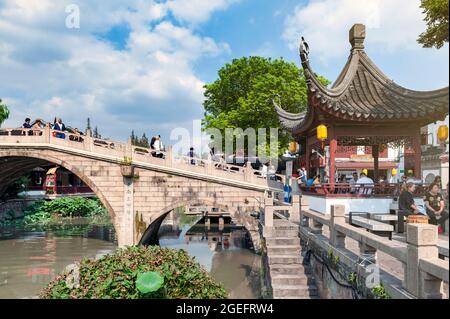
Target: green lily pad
{"x":149,"y":281}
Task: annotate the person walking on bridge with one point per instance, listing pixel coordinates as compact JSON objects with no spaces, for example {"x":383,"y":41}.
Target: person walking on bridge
{"x":27,"y":123}
{"x":59,"y":126}
{"x":191,"y":154}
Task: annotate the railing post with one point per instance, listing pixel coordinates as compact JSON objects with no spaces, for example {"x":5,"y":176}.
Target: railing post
{"x":337,"y":239}
{"x":304,"y":205}
{"x":248,"y":172}
{"x":129,"y":149}
{"x":431,"y":287}
{"x":268,"y":214}
{"x":316,"y":227}
{"x":294,"y":215}
{"x":169,"y":156}
{"x":47,"y":133}
{"x":368,"y":254}
{"x":422,"y":242}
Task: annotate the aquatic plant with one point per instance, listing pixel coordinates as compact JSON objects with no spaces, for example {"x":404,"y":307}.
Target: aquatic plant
{"x":380,"y":293}
{"x":117,"y":276}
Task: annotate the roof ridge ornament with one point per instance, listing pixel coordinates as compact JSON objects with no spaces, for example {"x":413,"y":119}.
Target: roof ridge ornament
{"x":304,"y":50}
{"x":357,"y":34}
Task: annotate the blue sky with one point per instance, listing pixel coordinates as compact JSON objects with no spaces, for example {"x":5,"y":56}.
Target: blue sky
{"x":141,"y":64}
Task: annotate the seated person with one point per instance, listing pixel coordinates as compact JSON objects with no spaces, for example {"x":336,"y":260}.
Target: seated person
{"x":406,"y":200}
{"x":434,"y":203}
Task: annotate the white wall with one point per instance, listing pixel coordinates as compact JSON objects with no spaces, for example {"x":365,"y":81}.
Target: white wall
{"x":371,"y":205}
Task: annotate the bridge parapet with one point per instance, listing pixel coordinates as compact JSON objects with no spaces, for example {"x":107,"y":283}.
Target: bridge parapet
{"x":130,"y":154}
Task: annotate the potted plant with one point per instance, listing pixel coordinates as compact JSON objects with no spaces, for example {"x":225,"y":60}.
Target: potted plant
{"x":126,"y":167}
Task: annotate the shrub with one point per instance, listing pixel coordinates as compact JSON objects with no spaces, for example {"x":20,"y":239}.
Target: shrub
{"x":115,"y":275}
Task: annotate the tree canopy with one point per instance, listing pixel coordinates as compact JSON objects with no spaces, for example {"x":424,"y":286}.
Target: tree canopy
{"x":436,"y":17}
{"x":4,"y":112}
{"x":242,"y":95}
{"x":142,"y":142}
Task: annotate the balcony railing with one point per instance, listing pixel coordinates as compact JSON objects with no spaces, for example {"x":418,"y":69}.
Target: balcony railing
{"x":359,"y":190}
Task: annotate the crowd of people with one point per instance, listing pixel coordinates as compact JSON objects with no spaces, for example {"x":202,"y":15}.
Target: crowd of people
{"x":35,"y":127}
{"x":436,"y":204}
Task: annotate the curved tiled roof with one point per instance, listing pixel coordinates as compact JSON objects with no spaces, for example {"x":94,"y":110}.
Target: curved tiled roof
{"x":363,"y":93}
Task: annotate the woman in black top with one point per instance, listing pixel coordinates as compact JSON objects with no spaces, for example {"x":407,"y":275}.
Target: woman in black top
{"x":435,"y":205}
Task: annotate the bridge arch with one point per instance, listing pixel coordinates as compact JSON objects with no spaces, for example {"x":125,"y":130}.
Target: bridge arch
{"x":151,"y":231}
{"x":17,"y":154}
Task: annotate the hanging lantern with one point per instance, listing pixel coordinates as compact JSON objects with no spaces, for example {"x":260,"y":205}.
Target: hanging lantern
{"x":442,"y":133}
{"x":293,"y":147}
{"x":322,"y":132}
{"x":410,"y":172}
{"x":365,"y":171}
{"x":394,"y":172}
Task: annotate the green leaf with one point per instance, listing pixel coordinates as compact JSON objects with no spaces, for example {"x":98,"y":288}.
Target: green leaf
{"x":149,"y":281}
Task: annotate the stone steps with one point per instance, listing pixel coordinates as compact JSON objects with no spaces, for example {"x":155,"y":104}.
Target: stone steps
{"x":292,"y":291}
{"x":282,"y":241}
{"x":280,"y":279}
{"x":293,"y":233}
{"x":290,"y":278}
{"x":284,"y":259}
{"x":283,"y":249}
{"x":289,"y":269}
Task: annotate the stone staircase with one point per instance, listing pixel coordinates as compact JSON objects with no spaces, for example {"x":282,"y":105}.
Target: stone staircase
{"x":290,"y":278}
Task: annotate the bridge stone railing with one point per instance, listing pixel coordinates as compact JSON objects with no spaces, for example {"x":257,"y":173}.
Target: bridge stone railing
{"x":424,"y":270}
{"x":130,"y":154}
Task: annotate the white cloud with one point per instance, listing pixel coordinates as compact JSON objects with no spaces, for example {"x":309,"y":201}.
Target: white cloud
{"x":390,"y":25}
{"x":197,"y":11}
{"x":54,"y":71}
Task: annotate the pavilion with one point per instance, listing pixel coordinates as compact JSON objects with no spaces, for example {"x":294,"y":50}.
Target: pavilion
{"x":362,"y":108}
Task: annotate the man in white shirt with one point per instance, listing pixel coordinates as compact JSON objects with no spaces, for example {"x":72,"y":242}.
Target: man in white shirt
{"x":365,"y":183}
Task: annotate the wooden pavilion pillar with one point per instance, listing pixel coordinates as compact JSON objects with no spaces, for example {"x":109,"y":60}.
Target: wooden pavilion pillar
{"x":416,"y":142}
{"x":376,"y":165}
{"x":333,"y":149}
{"x":307,"y":156}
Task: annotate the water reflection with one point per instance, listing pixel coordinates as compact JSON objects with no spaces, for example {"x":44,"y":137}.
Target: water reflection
{"x":30,"y":259}
{"x":224,"y":251}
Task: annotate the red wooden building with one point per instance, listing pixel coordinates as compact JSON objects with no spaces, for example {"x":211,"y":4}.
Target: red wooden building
{"x":363,"y":108}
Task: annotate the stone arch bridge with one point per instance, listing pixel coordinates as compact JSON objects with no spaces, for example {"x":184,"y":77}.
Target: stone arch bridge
{"x":137,"y":189}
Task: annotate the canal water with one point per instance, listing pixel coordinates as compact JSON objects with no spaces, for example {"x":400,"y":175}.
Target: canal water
{"x":29,"y":259}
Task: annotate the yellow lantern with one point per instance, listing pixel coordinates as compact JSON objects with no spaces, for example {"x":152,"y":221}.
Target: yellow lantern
{"x":442,"y":133}
{"x":394,"y":172}
{"x":365,"y":171}
{"x":322,"y":132}
{"x":293,"y":147}
{"x":410,"y":172}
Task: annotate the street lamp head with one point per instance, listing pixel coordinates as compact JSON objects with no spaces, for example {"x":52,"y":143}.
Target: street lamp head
{"x":442,"y":133}
{"x":322,"y":132}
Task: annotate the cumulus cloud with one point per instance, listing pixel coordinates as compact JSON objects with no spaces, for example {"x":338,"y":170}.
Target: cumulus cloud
{"x":390,"y":25}
{"x":196,"y":11}
{"x":150,"y":85}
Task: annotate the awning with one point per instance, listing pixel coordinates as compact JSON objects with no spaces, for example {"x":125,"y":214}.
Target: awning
{"x":367,"y":165}
{"x":52,"y":170}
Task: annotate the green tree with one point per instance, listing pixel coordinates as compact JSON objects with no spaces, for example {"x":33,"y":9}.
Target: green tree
{"x":242,"y":95}
{"x":436,"y":17}
{"x":133,"y":138}
{"x":4,"y":112}
{"x":144,"y":141}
